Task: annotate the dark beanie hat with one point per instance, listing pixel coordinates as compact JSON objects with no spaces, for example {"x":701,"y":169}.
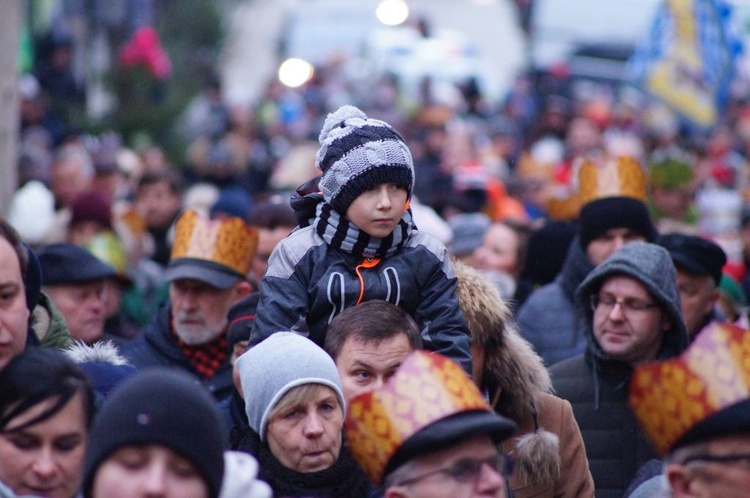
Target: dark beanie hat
{"x":165,"y":408}
{"x":608,"y":213}
{"x":358,"y":153}
{"x":92,"y":206}
{"x":241,"y":317}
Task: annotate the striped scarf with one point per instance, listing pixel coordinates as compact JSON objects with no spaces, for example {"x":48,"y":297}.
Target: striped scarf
{"x":340,"y":233}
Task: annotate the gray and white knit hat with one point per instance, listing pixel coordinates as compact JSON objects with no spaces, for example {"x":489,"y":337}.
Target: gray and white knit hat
{"x":358,"y":153}
{"x":277,"y":365}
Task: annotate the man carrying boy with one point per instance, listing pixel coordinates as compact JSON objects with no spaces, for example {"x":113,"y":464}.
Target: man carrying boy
{"x":357,"y":242}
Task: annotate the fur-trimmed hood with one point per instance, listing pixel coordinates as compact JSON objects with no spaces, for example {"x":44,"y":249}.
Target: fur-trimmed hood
{"x":99,"y":352}
{"x":103,"y":365}
{"x":510,"y":362}
{"x":513,"y":374}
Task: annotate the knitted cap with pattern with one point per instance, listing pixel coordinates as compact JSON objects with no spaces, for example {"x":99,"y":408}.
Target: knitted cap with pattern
{"x":358,"y":153}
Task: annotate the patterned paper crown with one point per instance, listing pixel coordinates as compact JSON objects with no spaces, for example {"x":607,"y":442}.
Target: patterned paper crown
{"x":613,"y":177}
{"x":426,"y":388}
{"x":229,"y":242}
{"x":670,"y":398}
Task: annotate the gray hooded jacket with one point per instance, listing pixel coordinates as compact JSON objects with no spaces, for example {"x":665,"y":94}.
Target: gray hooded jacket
{"x":597,"y":385}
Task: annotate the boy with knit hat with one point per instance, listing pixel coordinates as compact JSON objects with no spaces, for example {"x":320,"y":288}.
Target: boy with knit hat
{"x":356,"y":241}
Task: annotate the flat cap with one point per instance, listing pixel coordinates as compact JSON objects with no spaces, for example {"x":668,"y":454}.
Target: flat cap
{"x":694,"y":254}
{"x":72,"y":264}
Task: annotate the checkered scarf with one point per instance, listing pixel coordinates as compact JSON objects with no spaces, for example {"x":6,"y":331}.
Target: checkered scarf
{"x":205,"y":358}
{"x":340,"y":233}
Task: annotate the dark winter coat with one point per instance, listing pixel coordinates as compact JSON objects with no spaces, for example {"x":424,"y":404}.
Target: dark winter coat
{"x":548,"y":319}
{"x":232,"y":412}
{"x":308,"y":283}
{"x":596,"y":385}
{"x":157,"y":347}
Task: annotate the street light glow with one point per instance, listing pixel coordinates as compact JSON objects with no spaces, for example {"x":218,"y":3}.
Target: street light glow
{"x":295,"y":72}
{"x":392,"y":12}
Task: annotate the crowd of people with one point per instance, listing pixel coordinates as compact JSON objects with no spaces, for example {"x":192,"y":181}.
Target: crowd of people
{"x":545,"y":297}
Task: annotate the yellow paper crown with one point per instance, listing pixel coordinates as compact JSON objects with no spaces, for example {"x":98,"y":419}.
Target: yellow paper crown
{"x":613,"y":177}
{"x":426,"y":388}
{"x":669,"y":398}
{"x":229,"y":242}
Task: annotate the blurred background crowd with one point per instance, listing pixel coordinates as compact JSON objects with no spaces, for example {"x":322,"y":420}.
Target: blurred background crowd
{"x":132,"y":111}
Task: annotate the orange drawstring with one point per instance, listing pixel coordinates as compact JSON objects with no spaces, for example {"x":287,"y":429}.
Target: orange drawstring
{"x":366,"y":263}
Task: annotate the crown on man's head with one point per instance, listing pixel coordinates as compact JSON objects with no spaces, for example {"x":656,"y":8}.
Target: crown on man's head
{"x":229,"y":242}
{"x":619,"y":176}
{"x":425,"y":389}
{"x":683,"y":400}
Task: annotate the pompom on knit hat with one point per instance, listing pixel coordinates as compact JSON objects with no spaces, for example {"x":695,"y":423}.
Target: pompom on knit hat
{"x":272,"y":368}
{"x":358,"y":153}
{"x":165,"y":408}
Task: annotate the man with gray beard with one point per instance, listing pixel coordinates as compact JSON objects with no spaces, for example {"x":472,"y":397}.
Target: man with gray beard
{"x":207,"y":274}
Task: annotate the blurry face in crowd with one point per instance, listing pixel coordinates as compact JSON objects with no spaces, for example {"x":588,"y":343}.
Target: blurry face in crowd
{"x":82,"y":232}
{"x":706,"y":479}
{"x":698,"y":295}
{"x":499,"y":250}
{"x":377,"y":211}
{"x":673,"y":202}
{"x":631,"y":330}
{"x":68,"y":180}
{"x":144,"y":471}
{"x":602,"y":247}
{"x":14,"y":314}
{"x":364,"y":366}
{"x":430,"y":482}
{"x":199,"y":310}
{"x":83,"y":307}
{"x":267,"y":241}
{"x":157,"y":204}
{"x":46,"y":458}
{"x":306,"y":436}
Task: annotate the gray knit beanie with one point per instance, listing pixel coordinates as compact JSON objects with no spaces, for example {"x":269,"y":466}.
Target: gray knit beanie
{"x":358,"y":153}
{"x":277,"y":365}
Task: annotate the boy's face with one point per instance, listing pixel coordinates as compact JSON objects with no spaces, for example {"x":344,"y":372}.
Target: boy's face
{"x":377,"y":211}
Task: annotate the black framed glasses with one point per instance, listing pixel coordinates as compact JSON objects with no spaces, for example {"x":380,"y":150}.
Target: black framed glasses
{"x":731,"y":458}
{"x":607,"y":302}
{"x":468,"y":470}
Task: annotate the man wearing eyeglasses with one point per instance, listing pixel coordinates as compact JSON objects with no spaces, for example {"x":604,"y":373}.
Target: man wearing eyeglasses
{"x":632,"y":315}
{"x":696,"y":411}
{"x":429,"y":433}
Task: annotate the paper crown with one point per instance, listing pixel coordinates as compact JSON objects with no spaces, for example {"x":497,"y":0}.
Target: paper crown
{"x":229,"y":241}
{"x":670,"y":398}
{"x":426,"y":388}
{"x":612,"y":177}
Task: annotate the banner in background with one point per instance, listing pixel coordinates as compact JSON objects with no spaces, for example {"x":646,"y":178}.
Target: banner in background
{"x":687,"y":59}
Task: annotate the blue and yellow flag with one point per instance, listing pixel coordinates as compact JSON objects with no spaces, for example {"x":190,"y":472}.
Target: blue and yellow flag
{"x":687,"y":59}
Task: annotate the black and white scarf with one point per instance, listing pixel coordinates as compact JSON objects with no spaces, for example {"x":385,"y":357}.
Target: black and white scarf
{"x":340,"y":233}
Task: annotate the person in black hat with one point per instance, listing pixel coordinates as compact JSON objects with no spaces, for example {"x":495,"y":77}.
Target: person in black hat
{"x":74,"y":278}
{"x":699,"y":262}
{"x":156,"y":423}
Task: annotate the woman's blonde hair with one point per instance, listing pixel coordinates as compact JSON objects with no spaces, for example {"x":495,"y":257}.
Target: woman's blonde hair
{"x":297,"y":396}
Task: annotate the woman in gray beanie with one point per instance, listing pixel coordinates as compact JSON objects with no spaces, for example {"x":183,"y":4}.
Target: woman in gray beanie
{"x":295,"y":409}
{"x":158,"y":432}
